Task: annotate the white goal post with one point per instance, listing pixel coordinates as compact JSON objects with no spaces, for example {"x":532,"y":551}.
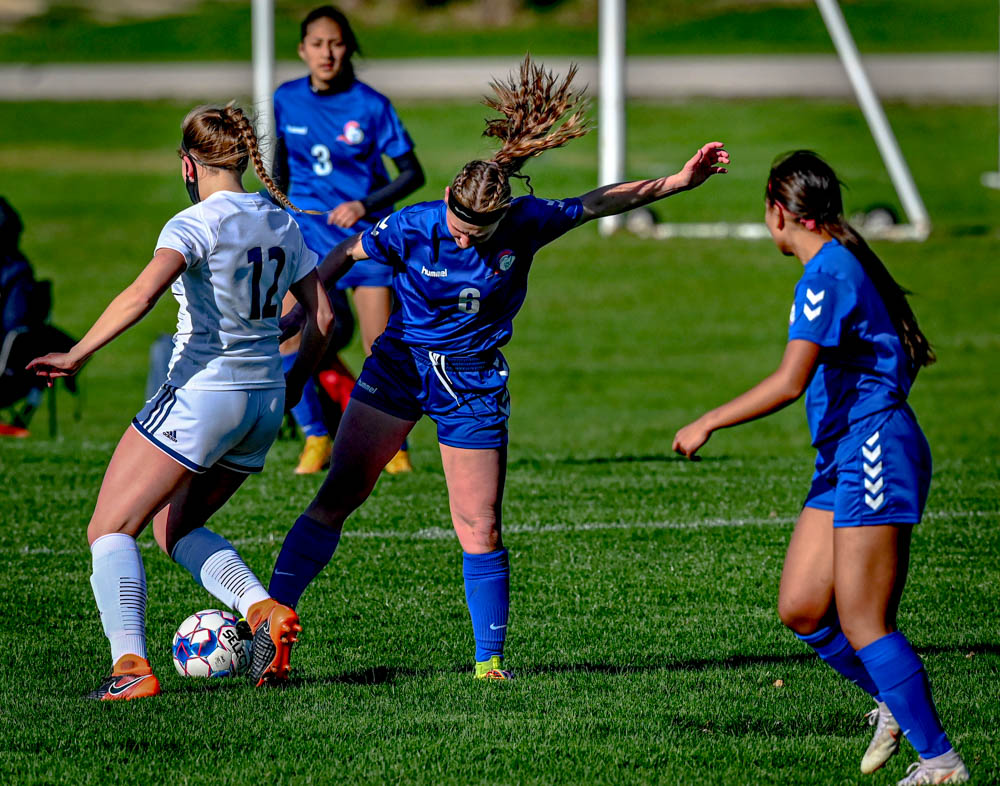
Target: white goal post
{"x":992,"y":179}
{"x":611,"y":132}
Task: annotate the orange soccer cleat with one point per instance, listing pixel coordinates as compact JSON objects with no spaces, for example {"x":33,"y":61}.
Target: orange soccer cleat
{"x":131,"y":678}
{"x":275,"y":629}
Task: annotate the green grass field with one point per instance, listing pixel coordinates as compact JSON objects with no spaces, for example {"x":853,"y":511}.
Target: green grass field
{"x":643,"y":628}
{"x":221,"y":30}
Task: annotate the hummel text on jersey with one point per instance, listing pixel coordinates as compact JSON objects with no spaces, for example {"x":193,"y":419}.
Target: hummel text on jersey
{"x":434,"y":273}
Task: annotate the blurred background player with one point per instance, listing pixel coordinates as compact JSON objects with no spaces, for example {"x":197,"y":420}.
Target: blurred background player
{"x":228,"y":260}
{"x":855,"y":349}
{"x":332,"y":132}
{"x":460,"y":273}
{"x":25,"y":304}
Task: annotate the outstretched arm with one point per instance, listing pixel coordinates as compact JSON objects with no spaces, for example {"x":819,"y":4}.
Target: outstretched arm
{"x":774,"y":392}
{"x":710,"y":160}
{"x":129,"y":307}
{"x":316,"y":334}
{"x":330,"y":270}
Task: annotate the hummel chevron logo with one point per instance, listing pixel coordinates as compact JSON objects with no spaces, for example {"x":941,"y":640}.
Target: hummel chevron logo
{"x":872,"y":455}
{"x":871,"y":488}
{"x":811,"y":313}
{"x":874,"y":503}
{"x":814,"y":297}
{"x":873,"y":472}
{"x":496,"y":627}
{"x":171,"y":435}
{"x":872,"y":439}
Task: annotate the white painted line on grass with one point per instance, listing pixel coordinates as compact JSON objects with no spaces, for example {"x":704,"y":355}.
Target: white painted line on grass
{"x":445,"y":533}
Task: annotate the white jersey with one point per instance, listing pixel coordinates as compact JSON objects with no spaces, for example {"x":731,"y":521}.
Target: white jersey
{"x":242,"y":254}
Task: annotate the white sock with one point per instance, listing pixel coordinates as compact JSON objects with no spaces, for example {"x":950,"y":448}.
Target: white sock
{"x":119,"y":583}
{"x":228,"y":578}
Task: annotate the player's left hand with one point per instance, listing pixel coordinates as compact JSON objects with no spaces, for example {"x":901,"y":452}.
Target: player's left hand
{"x":689,"y":439}
{"x":711,"y":159}
{"x":347,"y":214}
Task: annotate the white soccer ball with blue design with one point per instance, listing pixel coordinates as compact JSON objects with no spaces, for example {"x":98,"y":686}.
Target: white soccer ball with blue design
{"x":207,"y":645}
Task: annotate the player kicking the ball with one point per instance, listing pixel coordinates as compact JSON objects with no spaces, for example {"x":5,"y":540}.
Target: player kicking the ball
{"x":228,"y":260}
{"x":460,"y":274}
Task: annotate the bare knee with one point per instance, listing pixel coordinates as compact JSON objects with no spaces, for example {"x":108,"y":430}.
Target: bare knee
{"x":478,"y":532}
{"x":801,"y":615}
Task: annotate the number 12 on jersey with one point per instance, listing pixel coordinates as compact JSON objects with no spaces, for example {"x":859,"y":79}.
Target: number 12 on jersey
{"x":255,"y":257}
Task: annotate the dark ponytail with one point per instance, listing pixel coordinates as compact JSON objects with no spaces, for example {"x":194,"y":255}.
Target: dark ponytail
{"x":806,"y":186}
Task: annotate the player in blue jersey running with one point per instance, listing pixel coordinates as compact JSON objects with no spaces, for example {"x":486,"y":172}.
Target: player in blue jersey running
{"x":228,"y":259}
{"x":332,"y":132}
{"x":460,"y":272}
{"x":854,"y":349}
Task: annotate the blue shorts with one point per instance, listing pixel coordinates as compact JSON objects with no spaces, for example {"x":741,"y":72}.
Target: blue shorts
{"x":465,"y":396}
{"x":879,"y":473}
{"x":366,"y":273}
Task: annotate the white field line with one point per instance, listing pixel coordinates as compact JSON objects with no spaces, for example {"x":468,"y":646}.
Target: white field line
{"x":445,"y":533}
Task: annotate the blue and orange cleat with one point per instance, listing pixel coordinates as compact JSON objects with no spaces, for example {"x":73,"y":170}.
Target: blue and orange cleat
{"x":131,"y":678}
{"x":275,"y":629}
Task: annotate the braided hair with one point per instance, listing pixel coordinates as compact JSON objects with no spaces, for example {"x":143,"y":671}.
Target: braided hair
{"x":223,"y":138}
{"x":540,"y":112}
{"x":806,"y":186}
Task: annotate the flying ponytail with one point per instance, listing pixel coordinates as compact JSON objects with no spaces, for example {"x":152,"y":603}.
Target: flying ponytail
{"x":540,"y":112}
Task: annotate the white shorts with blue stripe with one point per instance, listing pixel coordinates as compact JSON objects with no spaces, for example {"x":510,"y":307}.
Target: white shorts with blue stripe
{"x":232,"y":429}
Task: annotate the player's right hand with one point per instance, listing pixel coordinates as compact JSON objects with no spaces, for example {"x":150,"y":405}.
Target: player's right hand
{"x":689,"y":439}
{"x":55,"y":364}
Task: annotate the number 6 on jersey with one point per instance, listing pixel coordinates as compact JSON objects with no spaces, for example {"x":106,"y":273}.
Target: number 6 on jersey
{"x":468,"y":300}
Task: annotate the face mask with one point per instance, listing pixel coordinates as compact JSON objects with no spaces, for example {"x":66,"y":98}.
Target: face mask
{"x":191,"y":183}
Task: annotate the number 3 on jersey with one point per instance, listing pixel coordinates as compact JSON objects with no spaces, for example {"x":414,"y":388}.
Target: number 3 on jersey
{"x":255,"y":257}
{"x":322,"y":166}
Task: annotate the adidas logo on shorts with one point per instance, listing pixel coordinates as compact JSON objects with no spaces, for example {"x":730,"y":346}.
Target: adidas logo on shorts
{"x":171,"y":435}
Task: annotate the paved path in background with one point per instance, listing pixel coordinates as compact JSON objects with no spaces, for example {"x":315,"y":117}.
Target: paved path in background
{"x":958,"y":78}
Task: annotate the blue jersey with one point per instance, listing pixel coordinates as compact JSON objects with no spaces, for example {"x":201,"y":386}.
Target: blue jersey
{"x":863,"y":368}
{"x":335,"y":146}
{"x":462,"y":301}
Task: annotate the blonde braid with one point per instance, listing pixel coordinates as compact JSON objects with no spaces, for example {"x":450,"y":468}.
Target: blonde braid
{"x":241,"y":123}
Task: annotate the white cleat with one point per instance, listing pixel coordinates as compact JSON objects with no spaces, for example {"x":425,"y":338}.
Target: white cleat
{"x":935,"y":771}
{"x":885,"y":742}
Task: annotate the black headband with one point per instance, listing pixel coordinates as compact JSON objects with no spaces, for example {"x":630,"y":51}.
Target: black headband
{"x":472,"y":216}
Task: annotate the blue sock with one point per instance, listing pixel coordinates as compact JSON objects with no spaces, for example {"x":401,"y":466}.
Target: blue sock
{"x":487,"y":591}
{"x":308,"y":413}
{"x":903,"y":685}
{"x":833,"y":647}
{"x":193,"y":550}
{"x":308,"y":546}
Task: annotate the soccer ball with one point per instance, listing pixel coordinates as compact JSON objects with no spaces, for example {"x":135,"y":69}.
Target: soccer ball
{"x":207,"y":645}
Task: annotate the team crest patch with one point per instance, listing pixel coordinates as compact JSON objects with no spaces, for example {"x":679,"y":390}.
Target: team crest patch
{"x":353,"y":133}
{"x":506,"y":260}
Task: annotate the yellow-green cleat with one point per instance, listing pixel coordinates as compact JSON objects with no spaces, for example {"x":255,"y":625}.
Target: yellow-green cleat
{"x":493,"y":669}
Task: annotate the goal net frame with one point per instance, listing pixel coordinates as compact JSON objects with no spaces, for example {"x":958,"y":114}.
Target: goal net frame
{"x":611,"y":130}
